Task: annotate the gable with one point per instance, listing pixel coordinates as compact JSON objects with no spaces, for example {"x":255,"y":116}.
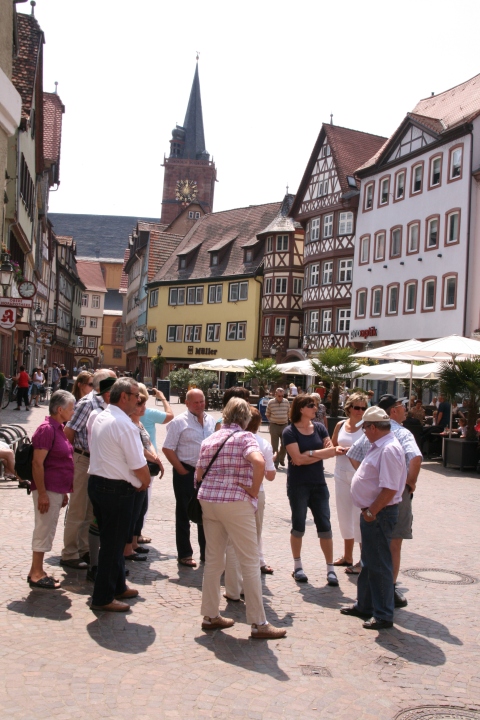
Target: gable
{"x":415,"y":138}
{"x":324,"y":185}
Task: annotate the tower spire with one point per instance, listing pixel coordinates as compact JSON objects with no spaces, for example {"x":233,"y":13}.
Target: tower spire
{"x":194,"y":147}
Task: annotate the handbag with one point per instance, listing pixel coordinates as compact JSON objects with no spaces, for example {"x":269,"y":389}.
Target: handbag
{"x":194,"y":509}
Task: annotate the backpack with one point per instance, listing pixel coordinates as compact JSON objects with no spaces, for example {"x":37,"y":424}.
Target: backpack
{"x":23,"y":459}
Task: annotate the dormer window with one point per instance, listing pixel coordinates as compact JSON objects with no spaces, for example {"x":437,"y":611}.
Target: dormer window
{"x":248,"y":256}
{"x":182,"y":263}
{"x":213,"y":259}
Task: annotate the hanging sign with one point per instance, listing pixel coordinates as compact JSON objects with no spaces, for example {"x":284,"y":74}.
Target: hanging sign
{"x":8,"y":318}
{"x":12,"y":302}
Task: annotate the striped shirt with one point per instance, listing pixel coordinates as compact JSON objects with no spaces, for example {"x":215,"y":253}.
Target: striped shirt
{"x":185,"y":436}
{"x":79,"y":420}
{"x":405,"y":438}
{"x":277,"y":412}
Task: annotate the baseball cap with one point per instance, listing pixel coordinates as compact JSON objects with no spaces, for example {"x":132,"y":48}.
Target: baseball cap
{"x":106,"y":384}
{"x":388,"y":401}
{"x":373,"y":414}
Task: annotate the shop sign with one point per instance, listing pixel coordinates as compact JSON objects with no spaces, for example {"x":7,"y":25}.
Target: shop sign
{"x":12,"y":302}
{"x":8,"y":318}
{"x":205,"y":351}
{"x":369,"y":332}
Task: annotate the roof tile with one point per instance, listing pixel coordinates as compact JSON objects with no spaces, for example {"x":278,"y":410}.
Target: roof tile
{"x":90,"y":273}
{"x":25,"y":64}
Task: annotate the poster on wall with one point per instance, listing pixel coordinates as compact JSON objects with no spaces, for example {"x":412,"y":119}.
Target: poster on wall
{"x":8,"y":318}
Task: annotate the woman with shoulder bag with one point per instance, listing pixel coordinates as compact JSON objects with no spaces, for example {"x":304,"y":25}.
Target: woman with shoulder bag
{"x":307,"y":444}
{"x":228,"y":496}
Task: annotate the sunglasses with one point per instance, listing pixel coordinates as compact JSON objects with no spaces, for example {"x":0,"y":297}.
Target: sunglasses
{"x":310,"y":405}
{"x":366,"y":426}
{"x":142,"y":401}
{"x":358,"y":407}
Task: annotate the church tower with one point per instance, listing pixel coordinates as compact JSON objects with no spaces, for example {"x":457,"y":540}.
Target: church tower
{"x":189,"y":173}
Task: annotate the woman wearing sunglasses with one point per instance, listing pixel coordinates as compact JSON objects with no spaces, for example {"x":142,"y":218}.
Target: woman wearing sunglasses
{"x":307,"y":445}
{"x":83,"y":385}
{"x":345,"y":434}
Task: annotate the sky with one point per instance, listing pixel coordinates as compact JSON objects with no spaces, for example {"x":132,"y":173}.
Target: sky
{"x":270,"y":73}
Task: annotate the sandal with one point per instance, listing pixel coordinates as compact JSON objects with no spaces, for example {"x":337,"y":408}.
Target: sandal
{"x":342,"y":562}
{"x":189,"y":562}
{"x":299,"y":575}
{"x":332,"y":578}
{"x":266,"y":570}
{"x":45,"y":583}
{"x":354,"y":569}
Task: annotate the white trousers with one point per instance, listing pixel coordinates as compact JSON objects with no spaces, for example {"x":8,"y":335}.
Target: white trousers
{"x":348,"y":514}
{"x":233,"y":573}
{"x":234,"y":520}
{"x":46,"y":523}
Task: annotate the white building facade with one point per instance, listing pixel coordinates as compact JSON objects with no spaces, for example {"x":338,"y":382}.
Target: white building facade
{"x":417,"y":263}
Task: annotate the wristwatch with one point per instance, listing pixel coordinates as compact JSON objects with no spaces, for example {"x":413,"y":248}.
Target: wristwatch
{"x":369,"y":514}
{"x":310,"y":452}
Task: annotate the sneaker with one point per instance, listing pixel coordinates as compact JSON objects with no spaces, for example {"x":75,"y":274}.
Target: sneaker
{"x":217,"y":622}
{"x":267,"y":632}
{"x":299,"y":575}
{"x":332,"y":578}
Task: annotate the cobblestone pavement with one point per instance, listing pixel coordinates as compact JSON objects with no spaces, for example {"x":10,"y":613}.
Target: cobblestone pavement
{"x":59,"y":660}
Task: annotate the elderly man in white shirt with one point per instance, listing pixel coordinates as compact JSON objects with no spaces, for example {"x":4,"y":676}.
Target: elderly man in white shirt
{"x":117,"y":470}
{"x":377,"y":488}
{"x":185,"y":435}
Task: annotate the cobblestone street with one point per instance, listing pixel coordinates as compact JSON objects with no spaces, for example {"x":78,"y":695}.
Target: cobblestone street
{"x":60,"y":660}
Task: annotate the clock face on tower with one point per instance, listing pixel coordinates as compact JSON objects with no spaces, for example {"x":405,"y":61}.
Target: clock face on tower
{"x":186,"y":191}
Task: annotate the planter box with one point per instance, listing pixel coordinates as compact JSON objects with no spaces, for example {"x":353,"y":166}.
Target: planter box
{"x":460,"y":453}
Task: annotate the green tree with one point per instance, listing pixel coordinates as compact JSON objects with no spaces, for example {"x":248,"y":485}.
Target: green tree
{"x":203,"y":379}
{"x":332,"y":365}
{"x":462,"y":377}
{"x":264,"y":372}
{"x":180,"y":380}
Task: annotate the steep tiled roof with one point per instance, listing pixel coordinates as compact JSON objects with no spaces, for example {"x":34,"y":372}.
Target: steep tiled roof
{"x":53,"y":109}
{"x":350,"y":149}
{"x":243,"y":223}
{"x":27,"y":61}
{"x":162,"y":245}
{"x":455,"y":106}
{"x":65,"y":240}
{"x":124,"y":278}
{"x":90,"y":273}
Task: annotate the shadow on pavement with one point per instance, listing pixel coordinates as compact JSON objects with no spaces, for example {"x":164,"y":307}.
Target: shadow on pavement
{"x":411,"y":647}
{"x":425,"y":626}
{"x":324,"y":596}
{"x":48,"y":604}
{"x":117,"y":634}
{"x":252,"y":655}
{"x":189,"y":577}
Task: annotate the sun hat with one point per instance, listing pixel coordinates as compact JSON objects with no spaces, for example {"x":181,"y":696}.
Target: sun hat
{"x":373,"y":414}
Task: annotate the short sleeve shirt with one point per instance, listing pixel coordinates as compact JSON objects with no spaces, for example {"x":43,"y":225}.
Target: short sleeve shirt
{"x":58,"y":464}
{"x":406,"y":439}
{"x":152,"y":418}
{"x":305,"y":474}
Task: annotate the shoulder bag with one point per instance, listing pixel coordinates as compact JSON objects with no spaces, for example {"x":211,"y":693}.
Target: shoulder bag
{"x":194,"y":509}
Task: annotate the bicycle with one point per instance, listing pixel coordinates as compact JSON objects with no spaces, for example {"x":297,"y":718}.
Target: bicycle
{"x":9,"y":393}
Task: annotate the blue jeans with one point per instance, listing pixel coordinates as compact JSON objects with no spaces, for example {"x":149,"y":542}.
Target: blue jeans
{"x":314,"y":496}
{"x":183,"y":489}
{"x":112,"y":502}
{"x":375,"y":582}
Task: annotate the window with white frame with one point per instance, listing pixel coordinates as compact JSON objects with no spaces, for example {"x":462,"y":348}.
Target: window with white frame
{"x":456,"y":163}
{"x":377,"y":301}
{"x":176,"y":296}
{"x":327,"y":272}
{"x":432,"y":233}
{"x":413,"y":237}
{"x":345,"y":223}
{"x":396,"y":243}
{"x":153,"y":298}
{"x":236,"y":330}
{"x":369,"y":196}
{"x":429,"y":295}
{"x":307,"y":233}
{"x":280,"y":326}
{"x":92,"y":342}
{"x":197,"y":333}
{"x":400,"y":186}
{"x":93,"y":322}
{"x":280,"y":286}
{"x":248,"y":256}
{"x":380,"y":246}
{"x":188,"y":333}
{"x":384,"y":189}
{"x":238,"y":291}
{"x":345,"y":271}
{"x":174,"y":333}
{"x":84,"y":299}
{"x":417,"y":177}
{"x":215,"y":293}
{"x":152,"y":335}
{"x":117,"y":353}
{"x":450,"y":291}
{"x":326,"y":321}
{"x":269,"y":244}
{"x":453,"y":225}
{"x":392,"y":300}
{"x":410,"y":297}
{"x":95,"y":301}
{"x":328,"y":225}
{"x":282,"y":243}
{"x":435,"y":171}
{"x":82,"y":321}
{"x":193,"y":333}
{"x":365,"y":249}
{"x":80,"y":341}
{"x":361,"y":303}
{"x":268,"y":286}
{"x":313,"y":326}
{"x":315,"y":234}
{"x":213,"y":332}
{"x":314,"y":270}
{"x":297,"y":286}
{"x":213,"y":259}
{"x":343,"y":320}
{"x":266,"y":326}
{"x":195,"y":295}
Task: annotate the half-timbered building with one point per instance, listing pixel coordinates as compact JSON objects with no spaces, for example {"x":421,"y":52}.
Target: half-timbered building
{"x":326,"y":206}
{"x":282,"y":285}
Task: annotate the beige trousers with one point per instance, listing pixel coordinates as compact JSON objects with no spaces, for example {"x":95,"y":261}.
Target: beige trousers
{"x":46,"y":523}
{"x":80,"y":512}
{"x":234,"y":520}
{"x":276,"y":439}
{"x":233,"y":573}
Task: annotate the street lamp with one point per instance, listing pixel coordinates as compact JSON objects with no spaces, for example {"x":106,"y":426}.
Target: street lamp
{"x":6,"y":272}
{"x":273,"y":351}
{"x":38,"y":313}
{"x":159,"y":350}
{"x":332,"y":340}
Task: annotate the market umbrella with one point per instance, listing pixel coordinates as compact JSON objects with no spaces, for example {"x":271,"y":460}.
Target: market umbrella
{"x":298,"y":367}
{"x":209,"y":365}
{"x":444,"y":348}
{"x":387,"y":371}
{"x":392,"y":352}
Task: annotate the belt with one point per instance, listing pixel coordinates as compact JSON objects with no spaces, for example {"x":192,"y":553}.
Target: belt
{"x":82,"y":452}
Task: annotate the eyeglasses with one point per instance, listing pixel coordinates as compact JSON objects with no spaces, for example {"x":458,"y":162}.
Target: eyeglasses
{"x":143,"y":401}
{"x":137,"y":395}
{"x":366,"y":426}
{"x":358,"y":407}
{"x":310,"y":405}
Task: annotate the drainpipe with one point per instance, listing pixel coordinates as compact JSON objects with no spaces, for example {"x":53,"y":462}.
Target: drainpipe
{"x":468,"y":239}
{"x":260,"y":316}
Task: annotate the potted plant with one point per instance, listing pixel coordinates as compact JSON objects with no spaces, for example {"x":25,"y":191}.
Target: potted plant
{"x":179,"y":381}
{"x":204,"y":380}
{"x":158,"y":361}
{"x":264,"y":372}
{"x":462,"y":377}
{"x":333,"y":365}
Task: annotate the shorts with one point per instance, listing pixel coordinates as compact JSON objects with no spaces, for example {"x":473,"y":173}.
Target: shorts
{"x":46,"y":523}
{"x":315,"y":497}
{"x":403,"y":526}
